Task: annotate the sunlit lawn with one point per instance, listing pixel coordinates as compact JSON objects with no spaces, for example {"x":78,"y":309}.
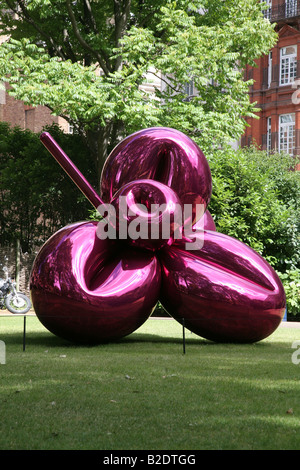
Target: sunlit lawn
{"x":145,"y":393}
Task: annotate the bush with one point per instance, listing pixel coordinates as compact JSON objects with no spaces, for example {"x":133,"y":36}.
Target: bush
{"x":291,"y":282}
{"x":256,"y":199}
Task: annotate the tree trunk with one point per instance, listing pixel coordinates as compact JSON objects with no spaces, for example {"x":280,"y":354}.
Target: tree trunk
{"x":101,"y":141}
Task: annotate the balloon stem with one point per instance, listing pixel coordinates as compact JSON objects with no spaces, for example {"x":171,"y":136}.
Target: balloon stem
{"x":71,"y":169}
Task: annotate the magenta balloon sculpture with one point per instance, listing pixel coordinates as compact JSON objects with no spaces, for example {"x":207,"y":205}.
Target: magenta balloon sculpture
{"x":89,"y":290}
{"x":96,"y":282}
{"x":207,"y":223}
{"x":164,"y":155}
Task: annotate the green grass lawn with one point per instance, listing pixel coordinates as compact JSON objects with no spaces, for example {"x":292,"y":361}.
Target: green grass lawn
{"x":143,"y":393}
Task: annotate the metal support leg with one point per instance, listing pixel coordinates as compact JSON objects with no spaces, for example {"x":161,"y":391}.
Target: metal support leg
{"x":183,"y":335}
{"x":24,"y":333}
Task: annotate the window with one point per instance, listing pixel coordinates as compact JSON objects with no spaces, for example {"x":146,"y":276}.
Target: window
{"x":270,"y":70}
{"x":290,"y":8}
{"x":269,"y":135}
{"x":2,"y":93}
{"x":189,"y":88}
{"x":268,"y":11}
{"x":288,"y":64}
{"x":287,"y":133}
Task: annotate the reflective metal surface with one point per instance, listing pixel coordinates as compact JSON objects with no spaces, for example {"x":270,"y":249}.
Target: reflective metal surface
{"x":225,"y":291}
{"x":207,"y":223}
{"x":64,"y":161}
{"x":86,"y":288}
{"x":164,"y":155}
{"x":89,"y":290}
{"x":142,"y":201}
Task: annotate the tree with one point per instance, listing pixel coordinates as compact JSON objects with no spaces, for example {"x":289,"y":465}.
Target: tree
{"x":36,"y":196}
{"x":87,"y":60}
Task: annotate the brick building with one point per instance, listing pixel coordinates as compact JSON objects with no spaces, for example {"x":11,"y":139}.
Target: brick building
{"x":276,"y":88}
{"x":17,"y":113}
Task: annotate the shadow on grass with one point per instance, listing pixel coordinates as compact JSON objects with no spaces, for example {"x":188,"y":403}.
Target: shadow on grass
{"x":49,"y":340}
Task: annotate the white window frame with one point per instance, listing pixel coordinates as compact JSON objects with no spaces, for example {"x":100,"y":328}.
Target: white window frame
{"x":288,"y":65}
{"x":286,"y":136}
{"x":290,"y":8}
{"x":269,"y":69}
{"x":269,"y":135}
{"x":189,"y":88}
{"x":268,"y":11}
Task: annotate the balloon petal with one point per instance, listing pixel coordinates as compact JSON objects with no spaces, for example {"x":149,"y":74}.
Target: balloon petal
{"x":224,"y":291}
{"x":87,"y":290}
{"x":164,"y":155}
{"x":149,"y":212}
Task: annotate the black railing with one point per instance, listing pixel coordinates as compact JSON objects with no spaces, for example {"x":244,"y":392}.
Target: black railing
{"x":285,"y":10}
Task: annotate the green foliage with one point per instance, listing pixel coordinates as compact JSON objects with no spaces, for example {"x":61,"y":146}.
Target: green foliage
{"x":204,"y":48}
{"x":89,"y":64}
{"x":256,"y":200}
{"x":291,"y":282}
{"x":36,"y":196}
